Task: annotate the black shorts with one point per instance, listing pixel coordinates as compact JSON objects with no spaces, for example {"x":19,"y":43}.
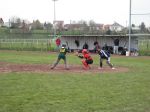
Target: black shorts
{"x":106,"y":58}
{"x":89,"y":61}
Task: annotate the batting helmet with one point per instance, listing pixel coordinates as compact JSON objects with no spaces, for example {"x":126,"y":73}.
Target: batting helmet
{"x":63,"y":46}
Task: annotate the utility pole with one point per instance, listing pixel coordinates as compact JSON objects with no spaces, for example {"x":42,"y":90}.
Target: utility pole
{"x":129,"y":27}
{"x":54,"y":21}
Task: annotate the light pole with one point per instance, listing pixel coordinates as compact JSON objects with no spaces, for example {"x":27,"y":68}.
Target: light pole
{"x":54,"y":19}
{"x":129,"y":27}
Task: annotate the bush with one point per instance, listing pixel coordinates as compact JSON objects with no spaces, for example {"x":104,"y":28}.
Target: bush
{"x":144,"y":52}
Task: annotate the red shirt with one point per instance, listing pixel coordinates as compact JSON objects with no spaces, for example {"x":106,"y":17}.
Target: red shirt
{"x":87,"y":56}
{"x":58,"y":41}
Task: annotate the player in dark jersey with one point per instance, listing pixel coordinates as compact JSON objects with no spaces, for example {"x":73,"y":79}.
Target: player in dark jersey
{"x":104,"y":55}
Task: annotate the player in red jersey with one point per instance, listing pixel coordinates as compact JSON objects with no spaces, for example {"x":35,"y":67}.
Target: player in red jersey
{"x":86,"y":59}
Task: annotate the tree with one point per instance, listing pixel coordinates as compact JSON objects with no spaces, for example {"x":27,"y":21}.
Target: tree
{"x":37,"y":25}
{"x":48,"y":26}
{"x":142,"y":27}
{"x":15,"y":22}
{"x":92,"y":26}
{"x":108,"y":32}
{"x":85,"y":27}
{"x":25,"y":26}
{"x":133,"y":25}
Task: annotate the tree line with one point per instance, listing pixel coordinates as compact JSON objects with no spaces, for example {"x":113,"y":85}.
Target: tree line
{"x":79,"y":27}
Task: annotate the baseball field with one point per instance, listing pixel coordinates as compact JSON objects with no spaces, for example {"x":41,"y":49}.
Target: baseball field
{"x":27,"y":84}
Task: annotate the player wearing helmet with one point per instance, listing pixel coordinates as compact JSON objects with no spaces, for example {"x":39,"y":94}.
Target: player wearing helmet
{"x":62,"y":55}
{"x":104,"y":55}
{"x":86,"y":59}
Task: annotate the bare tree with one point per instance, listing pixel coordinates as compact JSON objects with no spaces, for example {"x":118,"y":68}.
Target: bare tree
{"x":15,"y":22}
{"x":142,"y":27}
{"x":37,"y":25}
{"x":48,"y":26}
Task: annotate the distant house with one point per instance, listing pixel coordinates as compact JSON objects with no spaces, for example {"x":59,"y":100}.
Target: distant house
{"x":96,"y":27}
{"x":106,"y":27}
{"x":135,"y":29}
{"x":59,"y":25}
{"x":7,"y":24}
{"x":1,"y":22}
{"x":66,"y":26}
{"x":116,"y":27}
{"x":74,"y":26}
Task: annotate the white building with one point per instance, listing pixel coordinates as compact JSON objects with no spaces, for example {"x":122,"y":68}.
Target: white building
{"x":116,"y":27}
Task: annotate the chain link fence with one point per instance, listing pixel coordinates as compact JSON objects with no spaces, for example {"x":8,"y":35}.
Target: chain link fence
{"x":27,"y":44}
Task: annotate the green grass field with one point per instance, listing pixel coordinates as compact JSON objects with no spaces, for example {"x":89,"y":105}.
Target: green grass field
{"x":71,"y":92}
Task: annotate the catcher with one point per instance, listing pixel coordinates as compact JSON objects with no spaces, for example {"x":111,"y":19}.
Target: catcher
{"x":62,"y":55}
{"x":87,"y":59}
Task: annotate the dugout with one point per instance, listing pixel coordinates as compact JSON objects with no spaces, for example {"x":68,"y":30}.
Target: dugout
{"x":77,"y":42}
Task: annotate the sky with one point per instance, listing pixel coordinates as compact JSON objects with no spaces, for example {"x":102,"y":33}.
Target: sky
{"x":100,"y":11}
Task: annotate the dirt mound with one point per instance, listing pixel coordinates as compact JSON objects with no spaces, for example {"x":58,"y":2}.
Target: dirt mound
{"x":45,"y":68}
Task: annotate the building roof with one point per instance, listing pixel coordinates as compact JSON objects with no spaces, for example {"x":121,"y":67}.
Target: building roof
{"x":116,"y":24}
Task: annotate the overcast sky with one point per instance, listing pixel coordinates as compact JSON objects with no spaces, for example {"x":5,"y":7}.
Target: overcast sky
{"x":101,"y":11}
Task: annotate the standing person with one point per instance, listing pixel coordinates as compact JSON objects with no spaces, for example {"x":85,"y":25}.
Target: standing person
{"x":58,"y":42}
{"x":116,"y":45}
{"x":86,"y":59}
{"x":97,"y":46}
{"x":62,"y":55}
{"x":85,"y":46}
{"x":104,"y":55}
{"x":105,"y":47}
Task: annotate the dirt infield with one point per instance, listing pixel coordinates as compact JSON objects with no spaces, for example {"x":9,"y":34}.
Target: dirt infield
{"x":45,"y":68}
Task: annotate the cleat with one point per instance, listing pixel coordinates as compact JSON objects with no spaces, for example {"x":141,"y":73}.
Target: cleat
{"x":113,"y":68}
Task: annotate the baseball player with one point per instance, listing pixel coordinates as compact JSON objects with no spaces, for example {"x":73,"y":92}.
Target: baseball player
{"x":86,"y":59}
{"x":62,"y":55}
{"x":104,"y":55}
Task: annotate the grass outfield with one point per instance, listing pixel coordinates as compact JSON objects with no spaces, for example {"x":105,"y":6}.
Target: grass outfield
{"x":49,"y":92}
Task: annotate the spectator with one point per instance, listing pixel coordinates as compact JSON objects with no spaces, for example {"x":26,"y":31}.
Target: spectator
{"x":105,"y":47}
{"x":85,"y":46}
{"x":58,"y":42}
{"x":97,"y":46}
{"x":116,"y":45}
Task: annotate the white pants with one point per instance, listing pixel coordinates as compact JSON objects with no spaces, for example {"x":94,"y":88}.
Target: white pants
{"x":115,"y":49}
